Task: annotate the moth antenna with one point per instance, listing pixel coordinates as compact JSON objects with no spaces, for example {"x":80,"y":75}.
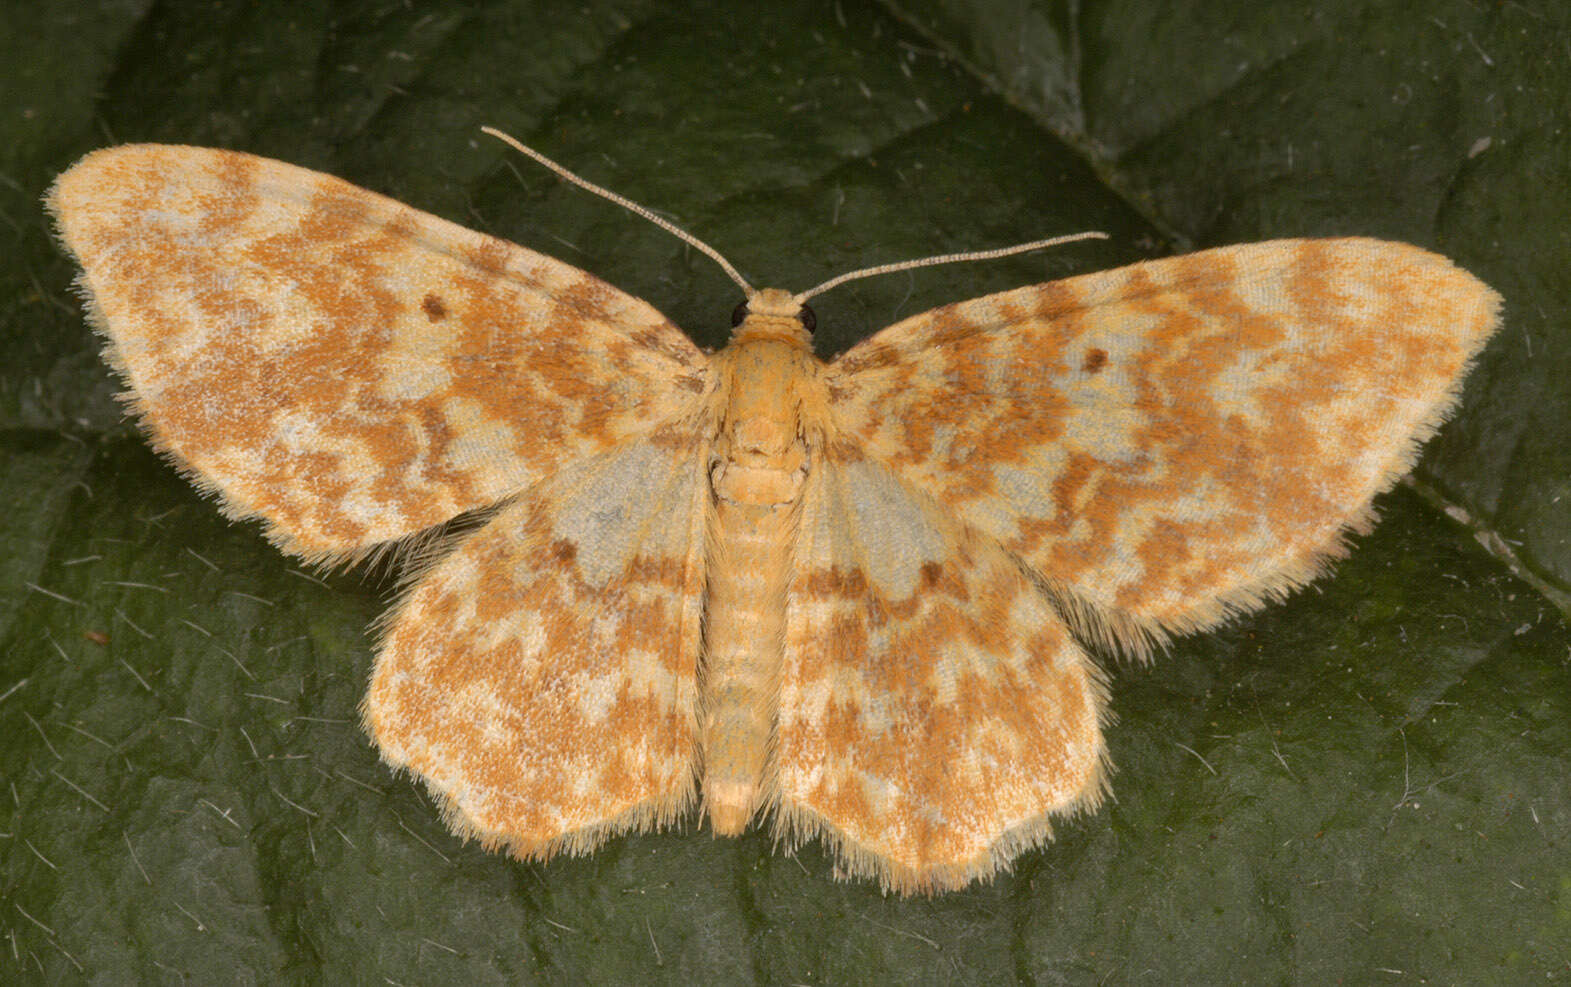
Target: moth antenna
{"x":906,"y":265}
{"x":629,"y":205}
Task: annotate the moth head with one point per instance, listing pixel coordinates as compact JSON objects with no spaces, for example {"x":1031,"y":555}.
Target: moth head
{"x":773,"y":314}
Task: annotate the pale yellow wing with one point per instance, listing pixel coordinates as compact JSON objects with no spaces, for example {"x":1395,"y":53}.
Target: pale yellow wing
{"x":1175,"y":441}
{"x":934,"y":711}
{"x":540,"y":679}
{"x":347,"y":368}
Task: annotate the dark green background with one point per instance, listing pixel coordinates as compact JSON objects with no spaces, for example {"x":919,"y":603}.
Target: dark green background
{"x":1369,"y":783}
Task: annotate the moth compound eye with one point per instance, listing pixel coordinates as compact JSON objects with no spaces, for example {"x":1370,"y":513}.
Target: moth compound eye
{"x":738,"y":314}
{"x":809,"y":320}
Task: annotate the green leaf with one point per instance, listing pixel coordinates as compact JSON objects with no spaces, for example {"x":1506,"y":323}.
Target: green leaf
{"x":1367,"y":783}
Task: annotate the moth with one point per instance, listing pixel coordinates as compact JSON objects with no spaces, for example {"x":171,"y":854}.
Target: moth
{"x":855,"y":600}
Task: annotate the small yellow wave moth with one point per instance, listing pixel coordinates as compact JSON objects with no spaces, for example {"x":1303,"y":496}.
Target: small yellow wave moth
{"x":849,"y":599}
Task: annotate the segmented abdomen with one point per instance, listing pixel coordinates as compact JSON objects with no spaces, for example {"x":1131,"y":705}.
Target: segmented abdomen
{"x":744,"y":639}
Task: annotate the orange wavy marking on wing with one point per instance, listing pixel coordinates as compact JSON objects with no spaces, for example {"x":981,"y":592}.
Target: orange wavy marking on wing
{"x":1175,"y":441}
{"x":345,"y":367}
{"x":934,"y":712}
{"x":541,"y":679}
